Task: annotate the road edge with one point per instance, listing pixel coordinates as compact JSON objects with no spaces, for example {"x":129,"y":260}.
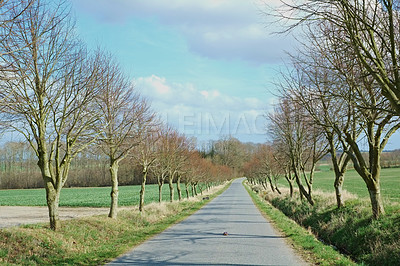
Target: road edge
{"x":303,"y":242}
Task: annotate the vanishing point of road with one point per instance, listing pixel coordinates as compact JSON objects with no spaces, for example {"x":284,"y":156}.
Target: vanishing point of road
{"x":199,"y":240}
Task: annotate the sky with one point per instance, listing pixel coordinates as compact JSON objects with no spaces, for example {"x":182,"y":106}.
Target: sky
{"x":208,"y":67}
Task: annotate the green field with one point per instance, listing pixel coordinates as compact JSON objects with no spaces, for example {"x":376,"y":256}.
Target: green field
{"x":390,"y":183}
{"x":83,"y":197}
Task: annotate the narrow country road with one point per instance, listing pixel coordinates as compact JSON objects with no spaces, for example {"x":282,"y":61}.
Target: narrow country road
{"x":199,"y":240}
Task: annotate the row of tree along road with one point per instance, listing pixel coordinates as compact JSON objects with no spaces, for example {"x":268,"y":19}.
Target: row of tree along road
{"x":340,"y":94}
{"x":64,"y":99}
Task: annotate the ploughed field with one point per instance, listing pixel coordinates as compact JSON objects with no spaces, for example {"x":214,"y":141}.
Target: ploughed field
{"x":84,"y":197}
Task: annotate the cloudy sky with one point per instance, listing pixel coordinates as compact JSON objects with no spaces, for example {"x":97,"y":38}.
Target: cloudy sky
{"x":206,"y":66}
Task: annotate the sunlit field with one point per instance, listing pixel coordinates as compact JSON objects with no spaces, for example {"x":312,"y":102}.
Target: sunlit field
{"x":83,"y":197}
{"x":352,"y":228}
{"x":353,"y":183}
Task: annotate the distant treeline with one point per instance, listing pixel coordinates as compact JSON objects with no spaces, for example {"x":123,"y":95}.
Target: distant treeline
{"x":18,"y":169}
{"x":18,"y":165}
{"x":389,"y":159}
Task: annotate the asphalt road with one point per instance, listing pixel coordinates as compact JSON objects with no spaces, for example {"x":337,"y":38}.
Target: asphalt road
{"x":199,"y":240}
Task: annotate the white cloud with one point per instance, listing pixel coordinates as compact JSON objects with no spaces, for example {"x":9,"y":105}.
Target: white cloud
{"x":159,"y":85}
{"x":163,"y":91}
{"x":203,"y":113}
{"x":205,"y":93}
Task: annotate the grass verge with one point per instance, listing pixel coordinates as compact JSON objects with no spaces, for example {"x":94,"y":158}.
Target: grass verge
{"x":311,"y":249}
{"x":93,"y":240}
{"x":351,"y":228}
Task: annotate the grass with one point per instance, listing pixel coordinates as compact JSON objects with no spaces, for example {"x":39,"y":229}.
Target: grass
{"x":84,"y":197}
{"x":92,"y":240}
{"x":311,"y":249}
{"x":353,"y":183}
{"x":351,"y":229}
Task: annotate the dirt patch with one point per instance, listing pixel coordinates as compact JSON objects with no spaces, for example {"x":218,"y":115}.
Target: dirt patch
{"x":20,"y":215}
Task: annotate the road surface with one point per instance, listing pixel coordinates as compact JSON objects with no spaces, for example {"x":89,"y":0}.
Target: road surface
{"x":199,"y":240}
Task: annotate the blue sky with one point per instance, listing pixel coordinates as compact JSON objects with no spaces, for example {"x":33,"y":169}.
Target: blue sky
{"x":206,"y":66}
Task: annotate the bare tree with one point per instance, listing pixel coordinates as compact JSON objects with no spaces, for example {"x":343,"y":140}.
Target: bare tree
{"x":230,"y":152}
{"x":377,"y":126}
{"x":11,"y":12}
{"x":48,"y":96}
{"x":314,"y":85}
{"x":282,"y":162}
{"x":304,"y":142}
{"x":363,"y":46}
{"x":127,"y":117}
{"x":259,"y":168}
{"x":187,"y":146}
{"x":161,"y":165}
{"x":269,"y":168}
{"x":369,"y":28}
{"x":177,"y":147}
{"x":369,"y":111}
{"x":146,"y":155}
{"x":196,"y":169}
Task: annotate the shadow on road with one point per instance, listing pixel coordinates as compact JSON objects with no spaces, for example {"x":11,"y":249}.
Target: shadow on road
{"x":200,"y":239}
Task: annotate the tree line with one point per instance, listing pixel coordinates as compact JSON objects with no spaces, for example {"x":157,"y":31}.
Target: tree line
{"x":338,"y":96}
{"x":74,"y":105}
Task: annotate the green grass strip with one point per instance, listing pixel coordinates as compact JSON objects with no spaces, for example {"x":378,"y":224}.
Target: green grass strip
{"x":308,"y":246}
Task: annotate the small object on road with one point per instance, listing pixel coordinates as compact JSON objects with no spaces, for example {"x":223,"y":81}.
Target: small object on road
{"x":225,"y":233}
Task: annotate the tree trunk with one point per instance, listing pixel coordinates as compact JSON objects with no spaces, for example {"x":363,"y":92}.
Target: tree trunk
{"x":160,"y":182}
{"x":277,"y":189}
{"x":270,"y":184}
{"x":195,"y":189}
{"x":53,"y":189}
{"x":192,"y":188}
{"x":288,"y":177}
{"x":309,"y":181}
{"x":339,"y":178}
{"x":142,"y":190}
{"x":187,"y":190}
{"x":340,"y":167}
{"x":264,"y":184}
{"x":178,"y":187}
{"x":171,"y":189}
{"x":302,"y":190}
{"x":374,"y":187}
{"x":114,"y":190}
{"x":160,"y":192}
{"x":370,"y":172}
{"x":290,"y":188}
{"x":376,"y":200}
{"x":53,"y":199}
